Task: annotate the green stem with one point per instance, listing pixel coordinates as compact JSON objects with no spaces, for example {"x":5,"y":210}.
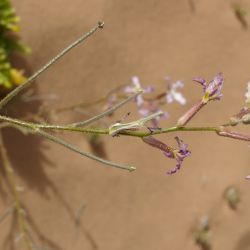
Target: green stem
{"x":16,"y":91}
{"x":36,"y":129}
{"x":35,"y":126}
{"x":73,"y":148}
{"x":169,"y":130}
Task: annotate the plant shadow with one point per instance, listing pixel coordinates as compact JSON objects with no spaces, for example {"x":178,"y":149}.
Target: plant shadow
{"x":28,"y":157}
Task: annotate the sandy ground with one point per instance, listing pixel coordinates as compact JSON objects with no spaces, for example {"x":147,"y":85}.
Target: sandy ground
{"x":146,"y":209}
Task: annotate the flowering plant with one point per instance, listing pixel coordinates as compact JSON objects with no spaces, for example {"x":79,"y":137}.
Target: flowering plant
{"x":150,"y":108}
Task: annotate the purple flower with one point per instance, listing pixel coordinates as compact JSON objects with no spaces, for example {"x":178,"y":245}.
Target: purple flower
{"x":179,"y":154}
{"x":136,"y":86}
{"x":212,"y":89}
{"x":173,"y":95}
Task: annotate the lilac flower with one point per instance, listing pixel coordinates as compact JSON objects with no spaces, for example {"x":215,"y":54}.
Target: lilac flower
{"x":212,"y":89}
{"x":137,"y":87}
{"x":172,"y":94}
{"x":149,"y":108}
{"x":179,"y":154}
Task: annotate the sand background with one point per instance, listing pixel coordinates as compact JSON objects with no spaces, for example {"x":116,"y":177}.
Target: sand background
{"x":143,"y":210}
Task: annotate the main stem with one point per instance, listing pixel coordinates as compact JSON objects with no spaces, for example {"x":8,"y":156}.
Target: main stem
{"x":35,"y":126}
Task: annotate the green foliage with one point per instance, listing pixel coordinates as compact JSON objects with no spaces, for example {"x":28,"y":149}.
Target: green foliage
{"x":9,"y":76}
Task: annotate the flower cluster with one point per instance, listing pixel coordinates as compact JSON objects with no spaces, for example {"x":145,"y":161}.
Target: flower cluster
{"x":148,"y":106}
{"x":212,"y":91}
{"x":149,"y":109}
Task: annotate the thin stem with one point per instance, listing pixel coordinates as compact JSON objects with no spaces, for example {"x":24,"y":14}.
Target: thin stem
{"x":87,"y":104}
{"x":73,"y":148}
{"x":169,"y":130}
{"x":104,"y":98}
{"x":34,"y":126}
{"x":137,"y":133}
{"x":35,"y":129}
{"x":16,"y":91}
{"x":18,"y":207}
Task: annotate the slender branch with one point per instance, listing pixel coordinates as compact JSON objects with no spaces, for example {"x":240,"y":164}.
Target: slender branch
{"x":17,"y":204}
{"x":34,"y":126}
{"x":87,"y":104}
{"x":73,"y":148}
{"x":30,"y":128}
{"x":73,"y":126}
{"x":104,"y":98}
{"x":16,"y":91}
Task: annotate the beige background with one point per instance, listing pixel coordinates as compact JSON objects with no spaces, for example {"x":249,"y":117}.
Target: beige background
{"x":143,"y":210}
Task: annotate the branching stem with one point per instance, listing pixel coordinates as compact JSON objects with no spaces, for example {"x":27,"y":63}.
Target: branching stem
{"x":35,"y":126}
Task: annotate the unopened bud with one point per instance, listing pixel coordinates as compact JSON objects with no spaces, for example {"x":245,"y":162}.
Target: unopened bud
{"x":232,"y":134}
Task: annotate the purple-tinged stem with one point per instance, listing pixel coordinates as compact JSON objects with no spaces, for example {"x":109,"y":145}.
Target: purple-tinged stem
{"x":190,"y":114}
{"x":232,"y":134}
